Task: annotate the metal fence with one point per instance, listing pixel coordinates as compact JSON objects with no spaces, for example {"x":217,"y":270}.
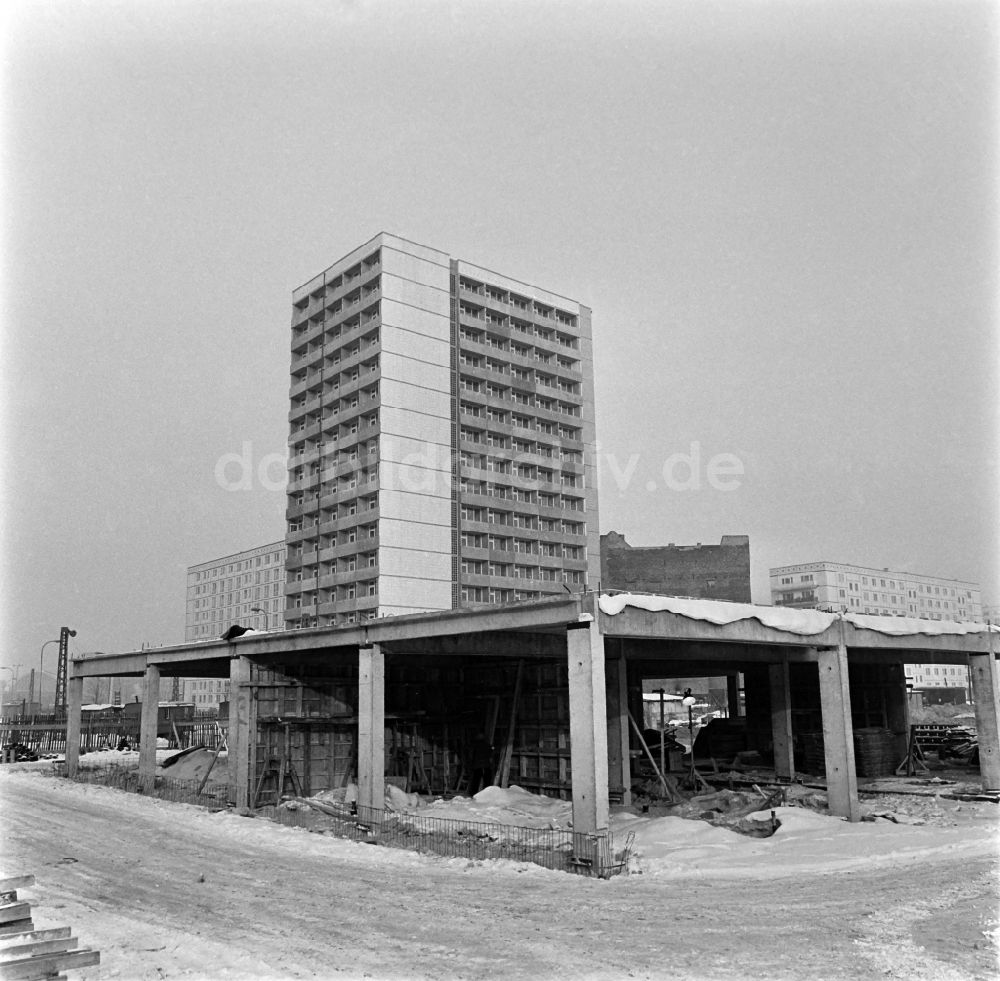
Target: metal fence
{"x":46,"y":734}
{"x":565,"y":851}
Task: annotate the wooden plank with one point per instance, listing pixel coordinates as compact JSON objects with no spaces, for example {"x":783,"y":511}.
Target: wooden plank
{"x":48,"y":964}
{"x":11,"y":882}
{"x":36,"y":947}
{"x":10,"y":912}
{"x":52,"y":933}
{"x":503,"y":769}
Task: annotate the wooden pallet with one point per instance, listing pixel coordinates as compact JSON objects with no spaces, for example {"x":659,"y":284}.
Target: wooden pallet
{"x":27,"y":954}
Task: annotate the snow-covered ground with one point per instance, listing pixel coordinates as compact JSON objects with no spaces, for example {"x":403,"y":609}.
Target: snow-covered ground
{"x":169,"y":890}
{"x":807,"y":840}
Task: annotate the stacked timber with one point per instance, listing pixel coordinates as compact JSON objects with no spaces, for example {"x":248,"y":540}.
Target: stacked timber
{"x":812,"y":758}
{"x":27,"y":954}
{"x":875,"y":752}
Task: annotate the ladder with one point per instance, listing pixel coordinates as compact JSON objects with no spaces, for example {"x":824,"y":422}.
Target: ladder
{"x":283,"y":771}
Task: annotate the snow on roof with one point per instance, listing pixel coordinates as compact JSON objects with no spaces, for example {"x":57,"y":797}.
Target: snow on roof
{"x":794,"y":621}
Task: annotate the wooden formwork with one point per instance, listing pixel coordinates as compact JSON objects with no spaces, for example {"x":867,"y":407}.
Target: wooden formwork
{"x":434,"y":708}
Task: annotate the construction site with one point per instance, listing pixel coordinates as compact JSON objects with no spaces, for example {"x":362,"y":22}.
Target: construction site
{"x":555,"y":688}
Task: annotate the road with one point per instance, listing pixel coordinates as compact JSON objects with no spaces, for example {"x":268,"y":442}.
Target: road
{"x":170,"y":891}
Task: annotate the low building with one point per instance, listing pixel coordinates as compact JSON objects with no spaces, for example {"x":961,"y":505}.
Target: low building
{"x":939,"y":684}
{"x":700,"y":571}
{"x":838,"y":587}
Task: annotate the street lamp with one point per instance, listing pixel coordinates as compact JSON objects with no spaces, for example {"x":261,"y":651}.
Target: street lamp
{"x":258,"y":609}
{"x":694,"y":778}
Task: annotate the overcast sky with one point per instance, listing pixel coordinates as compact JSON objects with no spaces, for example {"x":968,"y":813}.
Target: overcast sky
{"x":783,"y":215}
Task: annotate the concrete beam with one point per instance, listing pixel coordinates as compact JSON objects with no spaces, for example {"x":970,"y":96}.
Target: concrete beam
{"x":238,"y":737}
{"x":986,"y":696}
{"x":781,"y":721}
{"x":633,"y":622}
{"x":147,"y":727}
{"x":838,"y":733}
{"x":975,"y":643}
{"x":588,"y":733}
{"x":109,"y":666}
{"x":371,"y":727}
{"x":74,"y":699}
{"x":497,"y":643}
{"x":541,"y":616}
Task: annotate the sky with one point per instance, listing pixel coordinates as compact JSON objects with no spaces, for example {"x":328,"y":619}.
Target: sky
{"x":783,"y":216}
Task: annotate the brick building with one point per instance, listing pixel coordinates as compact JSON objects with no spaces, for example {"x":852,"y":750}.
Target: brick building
{"x":702,"y":571}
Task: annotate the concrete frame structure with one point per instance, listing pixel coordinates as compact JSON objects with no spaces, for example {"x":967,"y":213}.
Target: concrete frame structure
{"x":599,"y":648}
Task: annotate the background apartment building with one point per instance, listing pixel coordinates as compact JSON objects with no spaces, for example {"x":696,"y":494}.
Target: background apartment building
{"x":245,"y":588}
{"x":857,"y":589}
{"x":442,"y":434}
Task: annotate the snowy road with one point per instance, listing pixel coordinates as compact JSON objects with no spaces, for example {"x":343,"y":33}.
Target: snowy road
{"x":170,"y":891}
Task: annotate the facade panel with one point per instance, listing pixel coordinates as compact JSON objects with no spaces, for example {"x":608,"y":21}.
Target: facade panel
{"x":408,"y":318}
{"x":401,"y":422}
{"x":422,"y":298}
{"x":424,"y":508}
{"x":408,"y":594}
{"x":415,"y":398}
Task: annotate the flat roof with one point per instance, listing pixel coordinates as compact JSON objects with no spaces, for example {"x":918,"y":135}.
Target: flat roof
{"x":537,"y":628}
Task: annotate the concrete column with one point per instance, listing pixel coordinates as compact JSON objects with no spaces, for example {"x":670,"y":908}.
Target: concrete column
{"x":897,"y":710}
{"x":238,"y":737}
{"x":74,"y":699}
{"x":781,"y":721}
{"x":147,"y":727}
{"x":986,"y":694}
{"x":588,"y":730}
{"x":371,"y":727}
{"x":619,"y":764}
{"x":838,"y":734}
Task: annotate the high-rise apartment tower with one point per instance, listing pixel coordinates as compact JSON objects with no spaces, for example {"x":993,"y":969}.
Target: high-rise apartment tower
{"x":442,"y":439}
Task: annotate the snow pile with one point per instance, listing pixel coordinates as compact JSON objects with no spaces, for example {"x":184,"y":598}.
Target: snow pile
{"x":805,"y":841}
{"x":510,"y":805}
{"x":802,"y":622}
